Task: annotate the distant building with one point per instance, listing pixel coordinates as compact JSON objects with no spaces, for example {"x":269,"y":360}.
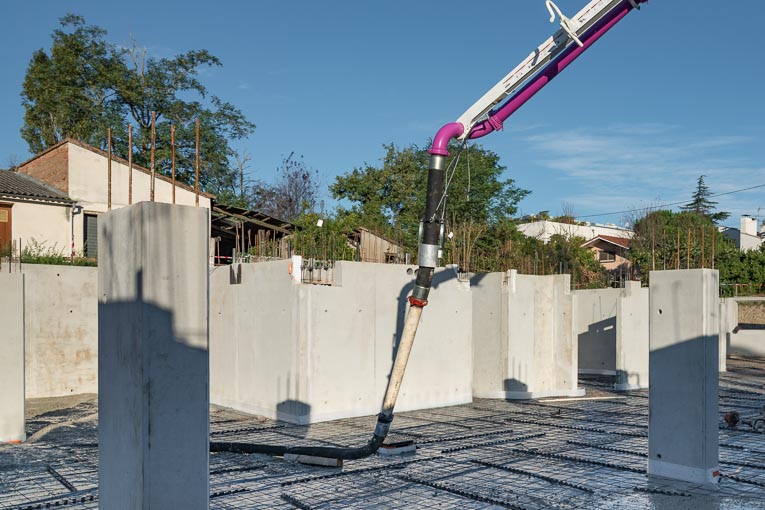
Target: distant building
{"x":373,"y":247}
{"x":244,"y":231}
{"x":611,"y":252}
{"x":31,"y":209}
{"x":746,"y":237}
{"x":56,"y":196}
{"x":545,"y":229}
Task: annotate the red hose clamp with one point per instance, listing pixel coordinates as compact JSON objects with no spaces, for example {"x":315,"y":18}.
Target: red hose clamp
{"x":422,"y":303}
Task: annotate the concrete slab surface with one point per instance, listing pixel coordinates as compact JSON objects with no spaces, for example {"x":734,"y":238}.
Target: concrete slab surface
{"x":551,"y":454}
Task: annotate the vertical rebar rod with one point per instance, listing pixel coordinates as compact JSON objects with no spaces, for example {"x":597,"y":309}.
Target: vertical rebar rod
{"x":172,"y":157}
{"x":130,"y":164}
{"x":678,"y":249}
{"x":196,"y":170}
{"x":713,"y":246}
{"x":688,"y":250}
{"x":702,"y":248}
{"x":109,"y":169}
{"x":153,"y":140}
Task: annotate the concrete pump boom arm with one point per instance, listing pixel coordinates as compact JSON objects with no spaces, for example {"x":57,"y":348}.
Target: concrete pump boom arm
{"x":544,"y":63}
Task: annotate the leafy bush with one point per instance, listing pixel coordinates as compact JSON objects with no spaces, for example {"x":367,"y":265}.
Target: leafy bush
{"x":38,"y":253}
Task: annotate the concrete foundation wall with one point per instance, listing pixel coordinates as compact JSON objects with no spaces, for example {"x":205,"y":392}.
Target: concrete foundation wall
{"x":683,"y":413}
{"x":61,"y":322}
{"x":153,"y":398}
{"x":309,"y":353}
{"x":524,"y":344}
{"x":595,"y":329}
{"x":612,"y":330}
{"x":737,"y":340}
{"x":632,"y":337}
{"x":12,"y":358}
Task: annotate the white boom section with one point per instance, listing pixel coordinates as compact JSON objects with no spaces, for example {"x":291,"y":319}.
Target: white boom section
{"x":568,"y":34}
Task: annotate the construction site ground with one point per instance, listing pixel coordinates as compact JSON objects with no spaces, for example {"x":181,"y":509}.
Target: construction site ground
{"x":548,"y":454}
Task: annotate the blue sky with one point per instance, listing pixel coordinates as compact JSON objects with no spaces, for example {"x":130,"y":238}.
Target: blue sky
{"x":672,"y":92}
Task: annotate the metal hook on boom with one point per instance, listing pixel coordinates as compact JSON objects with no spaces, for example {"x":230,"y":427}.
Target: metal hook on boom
{"x":566,"y":24}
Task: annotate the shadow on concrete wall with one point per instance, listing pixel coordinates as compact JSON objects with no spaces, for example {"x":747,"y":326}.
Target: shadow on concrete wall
{"x":597,"y":346}
{"x":294,"y":411}
{"x":439,"y":278}
{"x":515,"y":385}
{"x":153,"y":392}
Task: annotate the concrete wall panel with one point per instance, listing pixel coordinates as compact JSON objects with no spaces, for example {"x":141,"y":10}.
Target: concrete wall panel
{"x":684,"y":366}
{"x":632,"y":338}
{"x":153,"y":401}
{"x":61,"y":330}
{"x":309,"y":353}
{"x":738,"y":339}
{"x":524,"y":343}
{"x":595,"y":329}
{"x":12,"y":358}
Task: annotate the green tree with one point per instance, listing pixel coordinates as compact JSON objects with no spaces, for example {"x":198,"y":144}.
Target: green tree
{"x":392,"y":195}
{"x":71,"y":91}
{"x":701,"y":204}
{"x":87,"y":84}
{"x":667,"y":240}
{"x":745,"y":269}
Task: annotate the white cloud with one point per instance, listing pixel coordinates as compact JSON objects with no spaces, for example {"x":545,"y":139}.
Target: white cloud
{"x":622,"y":166}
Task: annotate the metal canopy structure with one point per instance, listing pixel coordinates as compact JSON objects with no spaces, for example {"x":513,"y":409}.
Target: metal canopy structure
{"x":236,"y":228}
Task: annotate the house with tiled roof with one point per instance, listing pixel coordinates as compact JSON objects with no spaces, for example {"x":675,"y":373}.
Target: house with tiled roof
{"x":610,"y":251}
{"x":31,"y":209}
{"x":56,"y":196}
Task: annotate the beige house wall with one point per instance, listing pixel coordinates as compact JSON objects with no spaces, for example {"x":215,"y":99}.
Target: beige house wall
{"x":618,"y":263}
{"x":88,"y":185}
{"x":40,"y":223}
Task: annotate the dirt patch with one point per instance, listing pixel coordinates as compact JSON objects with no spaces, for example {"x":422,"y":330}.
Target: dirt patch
{"x":752,"y":312}
{"x":39,"y":406}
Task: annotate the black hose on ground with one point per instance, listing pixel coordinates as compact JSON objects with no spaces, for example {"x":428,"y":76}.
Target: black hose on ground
{"x":381,"y":431}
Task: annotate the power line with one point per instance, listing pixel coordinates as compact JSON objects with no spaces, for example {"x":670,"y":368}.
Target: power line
{"x":661,"y":206}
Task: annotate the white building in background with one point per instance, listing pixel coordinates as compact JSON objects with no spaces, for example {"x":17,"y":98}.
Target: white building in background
{"x":545,"y":229}
{"x":70,"y":180}
{"x":746,"y":237}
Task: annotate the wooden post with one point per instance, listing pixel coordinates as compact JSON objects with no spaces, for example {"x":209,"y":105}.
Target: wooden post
{"x":153,"y":142}
{"x":130,"y":164}
{"x":196,"y":171}
{"x":109,"y":169}
{"x":172,"y":149}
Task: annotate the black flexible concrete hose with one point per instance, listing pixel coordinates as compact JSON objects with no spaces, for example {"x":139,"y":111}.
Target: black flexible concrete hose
{"x":381,"y":431}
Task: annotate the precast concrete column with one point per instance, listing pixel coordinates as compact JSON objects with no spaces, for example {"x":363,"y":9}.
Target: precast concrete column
{"x":632,"y":333}
{"x":683,"y":417}
{"x":12,"y":358}
{"x":153,"y":365}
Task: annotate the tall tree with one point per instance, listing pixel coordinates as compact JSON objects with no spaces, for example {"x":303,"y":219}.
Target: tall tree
{"x":392,"y":195}
{"x":71,"y":91}
{"x":87,"y":84}
{"x":702,"y":204}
